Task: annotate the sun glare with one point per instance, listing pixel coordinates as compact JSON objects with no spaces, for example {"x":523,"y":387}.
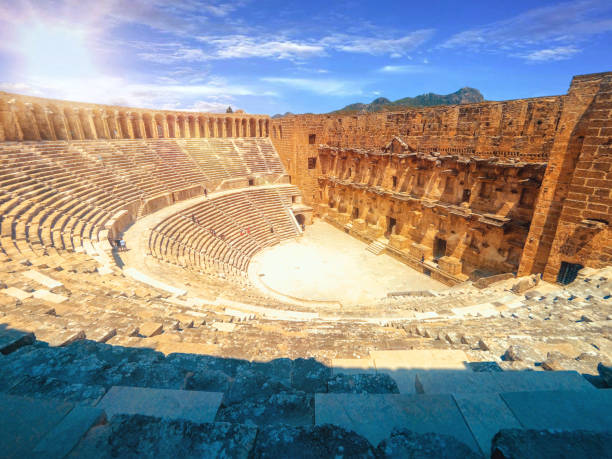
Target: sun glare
{"x":51,"y":51}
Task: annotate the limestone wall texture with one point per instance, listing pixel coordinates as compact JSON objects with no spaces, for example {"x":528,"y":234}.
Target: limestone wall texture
{"x":34,"y":118}
{"x":564,"y":217}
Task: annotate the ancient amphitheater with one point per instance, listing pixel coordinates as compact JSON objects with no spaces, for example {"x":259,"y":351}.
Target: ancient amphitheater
{"x":434,"y":282}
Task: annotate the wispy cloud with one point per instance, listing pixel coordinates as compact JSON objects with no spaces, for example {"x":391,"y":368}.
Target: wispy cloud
{"x":394,"y":47}
{"x":403,"y":69}
{"x":540,"y":34}
{"x":320,"y":86}
{"x":243,"y":46}
{"x":217,"y":93}
{"x":551,"y":54}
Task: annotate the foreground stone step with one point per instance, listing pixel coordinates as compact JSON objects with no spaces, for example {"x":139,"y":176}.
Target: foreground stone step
{"x":456,"y":382}
{"x":374,"y":416}
{"x":194,"y":406}
{"x":12,"y":339}
{"x":485,"y":414}
{"x":402,"y":365}
{"x":45,"y":425}
{"x":562,"y":410}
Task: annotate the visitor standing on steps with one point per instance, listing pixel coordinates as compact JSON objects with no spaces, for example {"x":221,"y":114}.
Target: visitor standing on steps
{"x":205,"y":192}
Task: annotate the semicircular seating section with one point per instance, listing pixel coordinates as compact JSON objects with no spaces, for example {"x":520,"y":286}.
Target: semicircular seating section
{"x":223,"y":233}
{"x":57,"y":195}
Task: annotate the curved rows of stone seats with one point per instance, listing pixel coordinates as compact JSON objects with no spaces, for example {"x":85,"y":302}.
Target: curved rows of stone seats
{"x":55,"y":195}
{"x":221,"y":234}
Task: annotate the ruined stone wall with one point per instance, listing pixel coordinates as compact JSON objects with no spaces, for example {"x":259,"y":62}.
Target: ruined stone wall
{"x":569,"y":131}
{"x":583,"y":235}
{"x":34,"y":118}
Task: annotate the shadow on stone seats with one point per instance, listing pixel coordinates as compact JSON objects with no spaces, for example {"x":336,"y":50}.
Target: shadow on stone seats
{"x":99,"y":400}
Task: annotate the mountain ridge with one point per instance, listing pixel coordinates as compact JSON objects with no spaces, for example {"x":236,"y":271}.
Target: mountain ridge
{"x":465,"y":95}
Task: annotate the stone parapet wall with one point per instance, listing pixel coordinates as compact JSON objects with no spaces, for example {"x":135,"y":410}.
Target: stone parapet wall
{"x":34,"y":118}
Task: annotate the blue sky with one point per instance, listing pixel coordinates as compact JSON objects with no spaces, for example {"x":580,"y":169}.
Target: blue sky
{"x":277,"y":56}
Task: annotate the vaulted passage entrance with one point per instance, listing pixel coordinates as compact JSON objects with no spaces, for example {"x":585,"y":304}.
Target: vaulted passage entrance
{"x":391,"y":222}
{"x":568,"y":272}
{"x":439,"y":248}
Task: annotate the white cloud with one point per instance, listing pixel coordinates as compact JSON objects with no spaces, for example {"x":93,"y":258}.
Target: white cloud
{"x":319,"y":86}
{"x":403,"y":69}
{"x":540,"y":34}
{"x":394,"y":47}
{"x":552,"y":54}
{"x":243,"y":46}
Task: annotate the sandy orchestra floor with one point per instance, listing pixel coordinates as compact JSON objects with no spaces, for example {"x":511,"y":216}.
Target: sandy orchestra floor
{"x":326,"y":264}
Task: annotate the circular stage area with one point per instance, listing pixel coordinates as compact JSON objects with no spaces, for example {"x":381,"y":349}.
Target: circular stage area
{"x":326,"y":264}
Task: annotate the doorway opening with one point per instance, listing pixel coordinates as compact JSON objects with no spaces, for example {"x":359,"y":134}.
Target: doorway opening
{"x":391,"y":222}
{"x":439,"y":248}
{"x":568,"y":272}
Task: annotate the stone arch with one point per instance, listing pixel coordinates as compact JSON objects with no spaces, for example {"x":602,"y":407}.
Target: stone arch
{"x":237,"y":128}
{"x":135,"y":121}
{"x":211,"y":127}
{"x":73,"y":124}
{"x":220,"y":127}
{"x":147,"y":121}
{"x":58,"y":123}
{"x":171,"y":126}
{"x":9,"y":122}
{"x":193,"y":132}
{"x":228,"y":127}
{"x":123,"y":125}
{"x":44,"y":127}
{"x":159,"y":125}
{"x":86,"y":125}
{"x":27,"y":122}
{"x":244,"y":127}
{"x":98,"y":124}
{"x":252,"y":128}
{"x":266,"y":128}
{"x":202,"y":125}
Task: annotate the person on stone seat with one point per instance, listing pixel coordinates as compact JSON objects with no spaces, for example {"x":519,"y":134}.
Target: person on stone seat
{"x":122,"y":245}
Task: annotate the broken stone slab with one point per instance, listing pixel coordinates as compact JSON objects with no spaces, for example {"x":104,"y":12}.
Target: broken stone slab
{"x":149,"y":329}
{"x":562,"y":409}
{"x":16,"y":293}
{"x":101,"y":334}
{"x":68,"y":432}
{"x":42,"y":279}
{"x":12,"y":339}
{"x":408,"y":444}
{"x":46,"y":295}
{"x":194,"y":406}
{"x":514,"y":443}
{"x":58,"y":338}
{"x":375,"y":416}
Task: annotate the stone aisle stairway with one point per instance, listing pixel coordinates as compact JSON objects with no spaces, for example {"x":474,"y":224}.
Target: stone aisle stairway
{"x":376,"y":247}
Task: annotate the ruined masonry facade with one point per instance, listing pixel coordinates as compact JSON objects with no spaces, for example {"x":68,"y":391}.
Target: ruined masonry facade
{"x":463,"y":191}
